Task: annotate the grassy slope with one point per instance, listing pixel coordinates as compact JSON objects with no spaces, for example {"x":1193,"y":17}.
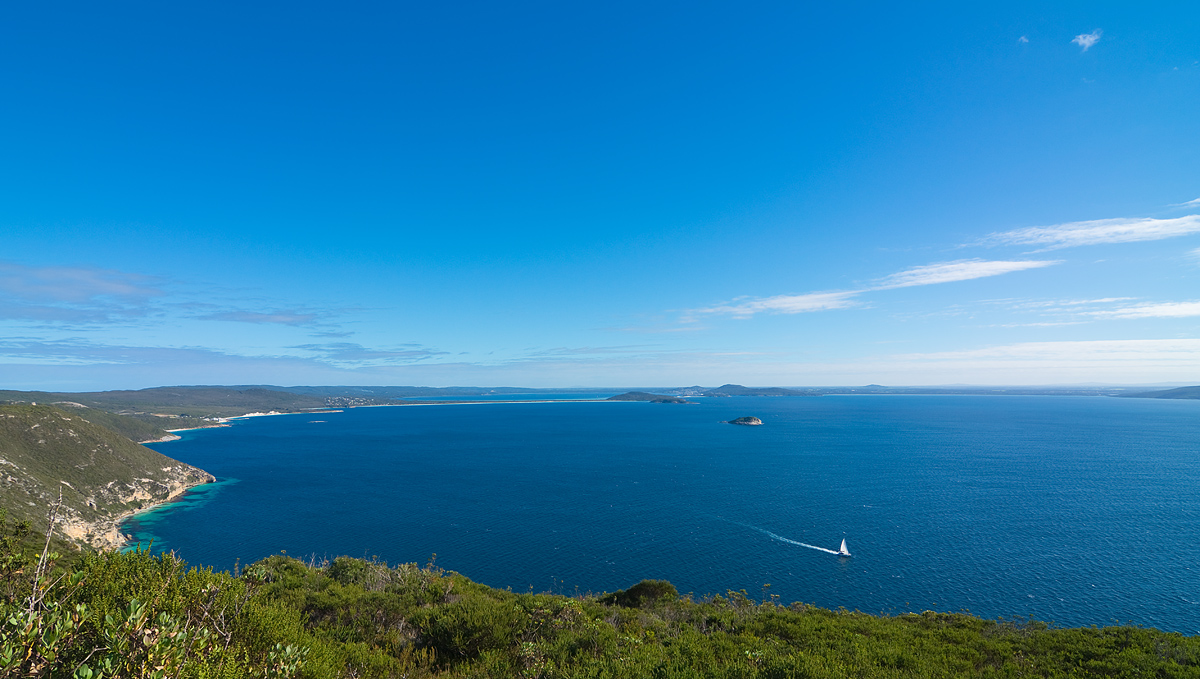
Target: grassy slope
{"x":43,"y":446}
{"x":129,"y":427}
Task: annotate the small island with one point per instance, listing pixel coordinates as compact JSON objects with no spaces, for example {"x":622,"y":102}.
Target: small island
{"x":647,"y":396}
{"x":748,"y":420}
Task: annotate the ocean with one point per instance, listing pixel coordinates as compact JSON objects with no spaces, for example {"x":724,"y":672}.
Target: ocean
{"x":1071,"y":510}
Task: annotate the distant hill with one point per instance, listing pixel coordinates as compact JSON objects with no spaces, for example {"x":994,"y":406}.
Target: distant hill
{"x":146,"y":414}
{"x":739,"y":390}
{"x":646,"y":396}
{"x":1181,"y":392}
{"x":388,"y":393}
{"x":102,"y":475}
{"x":200,"y":401}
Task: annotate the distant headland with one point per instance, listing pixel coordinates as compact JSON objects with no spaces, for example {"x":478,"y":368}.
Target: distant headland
{"x":646,"y":396}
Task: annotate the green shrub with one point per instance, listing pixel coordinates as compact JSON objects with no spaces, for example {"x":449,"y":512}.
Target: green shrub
{"x":646,"y":592}
{"x":138,"y":615}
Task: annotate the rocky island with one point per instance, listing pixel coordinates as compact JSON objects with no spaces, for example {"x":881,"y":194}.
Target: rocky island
{"x":748,"y":420}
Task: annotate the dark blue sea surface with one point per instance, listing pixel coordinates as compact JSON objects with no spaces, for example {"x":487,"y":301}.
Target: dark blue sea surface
{"x":582,"y":396}
{"x":1076,"y":510}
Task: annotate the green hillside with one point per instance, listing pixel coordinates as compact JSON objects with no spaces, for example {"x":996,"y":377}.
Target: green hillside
{"x":200,"y":401}
{"x":147,"y":414}
{"x":101,"y":474}
{"x":130,"y":427}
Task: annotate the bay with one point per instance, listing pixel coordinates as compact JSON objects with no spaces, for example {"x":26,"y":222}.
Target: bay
{"x":1076,"y":510}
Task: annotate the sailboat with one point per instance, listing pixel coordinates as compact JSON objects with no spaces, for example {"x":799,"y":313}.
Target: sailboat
{"x":843,"y":551}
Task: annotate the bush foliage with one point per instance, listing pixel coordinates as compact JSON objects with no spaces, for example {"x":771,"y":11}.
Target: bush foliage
{"x":143,"y":615}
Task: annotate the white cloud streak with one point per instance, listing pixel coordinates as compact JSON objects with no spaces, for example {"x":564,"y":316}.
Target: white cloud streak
{"x":784,"y":304}
{"x":961,"y":270}
{"x":1086,"y":40}
{"x":1182,"y":352}
{"x":1152,"y":310}
{"x":1190,"y":203}
{"x":931,"y":274}
{"x":1097,"y":232}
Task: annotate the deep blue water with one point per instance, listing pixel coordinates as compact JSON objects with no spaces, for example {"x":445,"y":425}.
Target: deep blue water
{"x":594,"y":395}
{"x":1076,"y":510}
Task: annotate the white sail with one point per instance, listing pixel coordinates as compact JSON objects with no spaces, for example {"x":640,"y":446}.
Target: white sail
{"x":843,"y":551}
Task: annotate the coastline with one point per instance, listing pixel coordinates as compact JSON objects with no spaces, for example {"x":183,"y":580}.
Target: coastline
{"x":104,"y":533}
{"x":121,"y":540}
{"x":172,"y":434}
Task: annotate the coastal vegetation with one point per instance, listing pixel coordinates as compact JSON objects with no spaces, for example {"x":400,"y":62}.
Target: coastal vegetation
{"x":137,"y":614}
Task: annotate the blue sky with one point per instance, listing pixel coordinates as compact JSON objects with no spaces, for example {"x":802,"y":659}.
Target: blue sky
{"x":606,"y":194}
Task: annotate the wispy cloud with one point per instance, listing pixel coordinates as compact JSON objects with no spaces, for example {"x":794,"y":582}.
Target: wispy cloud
{"x":1152,"y":310}
{"x":783,"y":304}
{"x":1181,"y":351}
{"x":293,"y":318}
{"x":75,"y":285}
{"x":1077,"y":311}
{"x":1096,"y":232}
{"x":349,"y":353}
{"x":961,"y":270}
{"x":1086,"y":40}
{"x":593,"y":351}
{"x":1044,"y":324}
{"x":930,"y":274}
{"x":1022,"y":39}
{"x":1190,"y":203}
{"x":74,"y":295}
{"x":79,"y":351}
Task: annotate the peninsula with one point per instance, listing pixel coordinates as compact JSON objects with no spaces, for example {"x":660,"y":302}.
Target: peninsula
{"x":647,"y":396}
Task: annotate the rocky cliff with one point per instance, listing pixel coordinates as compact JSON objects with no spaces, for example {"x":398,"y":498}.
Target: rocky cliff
{"x":102,"y":476}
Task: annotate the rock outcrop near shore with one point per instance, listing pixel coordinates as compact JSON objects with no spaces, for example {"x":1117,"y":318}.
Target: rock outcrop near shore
{"x":102,"y":476}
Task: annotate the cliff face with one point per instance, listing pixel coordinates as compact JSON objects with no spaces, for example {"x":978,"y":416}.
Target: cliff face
{"x":103,"y":476}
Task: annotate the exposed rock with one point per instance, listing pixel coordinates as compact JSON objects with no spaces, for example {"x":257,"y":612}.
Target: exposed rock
{"x":748,"y":420}
{"x":102,"y":477}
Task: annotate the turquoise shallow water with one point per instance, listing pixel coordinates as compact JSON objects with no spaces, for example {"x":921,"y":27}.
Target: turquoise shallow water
{"x":1076,"y":510}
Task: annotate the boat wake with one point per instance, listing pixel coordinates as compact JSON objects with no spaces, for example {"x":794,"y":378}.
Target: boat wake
{"x":780,"y":538}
